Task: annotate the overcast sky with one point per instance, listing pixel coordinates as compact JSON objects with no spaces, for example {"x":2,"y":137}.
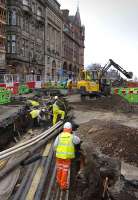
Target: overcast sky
{"x":111,"y":30}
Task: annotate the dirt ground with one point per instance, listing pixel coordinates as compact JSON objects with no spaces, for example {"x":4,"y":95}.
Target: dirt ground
{"x":113,"y":131}
{"x":110,"y":125}
{"x":112,"y":139}
{"x":111,"y":103}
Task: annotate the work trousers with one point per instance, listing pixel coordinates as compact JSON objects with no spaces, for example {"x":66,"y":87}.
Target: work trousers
{"x":62,"y":167}
{"x":55,"y":115}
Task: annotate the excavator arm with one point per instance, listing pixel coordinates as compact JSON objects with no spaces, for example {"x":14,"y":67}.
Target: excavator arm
{"x":116,"y":66}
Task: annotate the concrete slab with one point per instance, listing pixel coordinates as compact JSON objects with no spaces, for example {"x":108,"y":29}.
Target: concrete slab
{"x":9,"y":113}
{"x":130,"y":172}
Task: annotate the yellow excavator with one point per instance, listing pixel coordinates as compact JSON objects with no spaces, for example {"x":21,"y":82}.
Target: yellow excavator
{"x":95,"y":82}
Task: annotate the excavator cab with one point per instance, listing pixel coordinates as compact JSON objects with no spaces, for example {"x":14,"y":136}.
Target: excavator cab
{"x":88,"y":83}
{"x":89,"y":75}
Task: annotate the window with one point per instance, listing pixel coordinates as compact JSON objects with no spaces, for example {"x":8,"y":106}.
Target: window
{"x":27,"y":48}
{"x":23,"y":47}
{"x":32,"y":50}
{"x":2,"y":58}
{"x":33,"y":7}
{"x":13,"y":41}
{"x":12,"y":18}
{"x":21,"y":22}
{"x":48,"y":60}
{"x":27,"y":25}
{"x":9,"y":44}
{"x":24,"y":23}
{"x":33,"y":28}
{"x":39,"y":12}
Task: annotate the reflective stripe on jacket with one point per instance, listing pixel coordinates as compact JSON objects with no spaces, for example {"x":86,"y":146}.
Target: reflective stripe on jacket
{"x":65,"y":148}
{"x":34,"y":113}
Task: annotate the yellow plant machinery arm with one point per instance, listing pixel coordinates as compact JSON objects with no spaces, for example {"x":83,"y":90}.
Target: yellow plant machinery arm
{"x":116,"y":66}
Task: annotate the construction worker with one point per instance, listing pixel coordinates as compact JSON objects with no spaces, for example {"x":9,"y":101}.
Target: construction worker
{"x":69,"y":86}
{"x":65,"y":151}
{"x":34,"y":117}
{"x":33,"y":103}
{"x":57,"y":111}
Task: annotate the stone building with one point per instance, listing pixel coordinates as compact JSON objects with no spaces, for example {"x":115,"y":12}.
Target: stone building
{"x":26,"y":37}
{"x":73,"y":44}
{"x":53,"y":57}
{"x":2,"y":34}
{"x":43,"y":40}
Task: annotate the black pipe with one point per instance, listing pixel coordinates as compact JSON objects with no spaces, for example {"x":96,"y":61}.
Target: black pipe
{"x":24,"y":188}
{"x":41,"y":185}
{"x":32,"y":159}
{"x":51,"y":184}
{"x":23,"y":183}
{"x":29,"y":182}
{"x":26,"y":155}
{"x":9,"y":168}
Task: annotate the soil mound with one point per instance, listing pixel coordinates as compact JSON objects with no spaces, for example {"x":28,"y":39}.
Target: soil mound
{"x":112,"y":103}
{"x":112,"y":139}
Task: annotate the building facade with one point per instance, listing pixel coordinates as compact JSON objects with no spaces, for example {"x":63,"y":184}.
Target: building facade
{"x":43,"y":40}
{"x":73,"y":45}
{"x":53,"y":57}
{"x":2,"y":34}
{"x":26,"y":37}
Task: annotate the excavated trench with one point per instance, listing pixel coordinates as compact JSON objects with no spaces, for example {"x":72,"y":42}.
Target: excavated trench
{"x":12,"y":123}
{"x":110,"y":138}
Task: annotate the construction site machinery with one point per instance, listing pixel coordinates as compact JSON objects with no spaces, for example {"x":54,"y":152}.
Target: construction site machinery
{"x":96,"y":83}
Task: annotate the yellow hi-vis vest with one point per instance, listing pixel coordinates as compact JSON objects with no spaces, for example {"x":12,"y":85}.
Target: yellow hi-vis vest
{"x":34,"y":103}
{"x":34,"y":113}
{"x":55,"y":107}
{"x":65,"y":148}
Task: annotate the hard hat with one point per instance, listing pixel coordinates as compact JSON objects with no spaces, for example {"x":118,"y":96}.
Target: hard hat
{"x":56,"y":97}
{"x":67,"y":125}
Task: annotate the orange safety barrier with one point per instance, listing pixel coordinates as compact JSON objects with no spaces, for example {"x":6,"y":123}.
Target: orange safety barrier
{"x":124,"y":92}
{"x":15,"y":89}
{"x":116,"y":91}
{"x":31,"y":85}
{"x":130,"y":92}
{"x":3,"y":85}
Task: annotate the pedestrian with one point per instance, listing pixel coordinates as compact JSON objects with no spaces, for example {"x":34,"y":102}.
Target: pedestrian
{"x":57,"y":111}
{"x":65,"y":151}
{"x":69,"y":86}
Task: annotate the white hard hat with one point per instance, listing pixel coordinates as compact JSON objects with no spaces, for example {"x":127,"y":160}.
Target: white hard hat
{"x":67,"y":125}
{"x":56,"y":97}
